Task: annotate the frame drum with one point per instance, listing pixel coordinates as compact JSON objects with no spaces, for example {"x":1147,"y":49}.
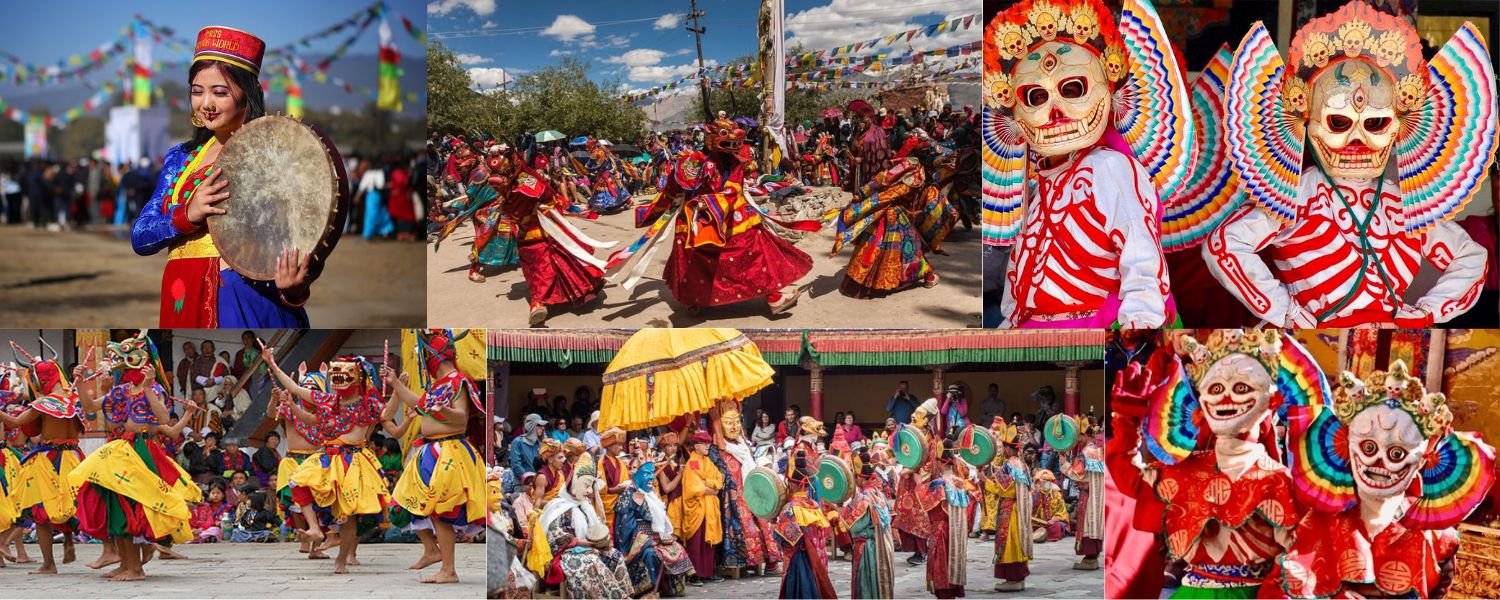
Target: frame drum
{"x":1061,"y":432}
{"x":834,"y":479}
{"x":765,"y":492}
{"x":981,"y":449}
{"x":287,"y":189}
{"x":911,"y":446}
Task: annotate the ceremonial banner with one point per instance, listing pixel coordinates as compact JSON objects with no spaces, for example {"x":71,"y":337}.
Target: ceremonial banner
{"x":36,"y":136}
{"x":141,"y":84}
{"x":773,"y":84}
{"x":390,"y":70}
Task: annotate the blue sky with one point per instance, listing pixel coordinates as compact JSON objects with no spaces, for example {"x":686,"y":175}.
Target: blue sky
{"x":42,"y":33}
{"x":644,"y":44}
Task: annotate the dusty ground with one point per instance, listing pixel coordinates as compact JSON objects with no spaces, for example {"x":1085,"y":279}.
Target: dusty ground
{"x":500,"y":302}
{"x":93,"y":279}
{"x":254,"y":571}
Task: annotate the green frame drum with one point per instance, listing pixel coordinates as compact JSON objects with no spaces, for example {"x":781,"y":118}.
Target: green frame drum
{"x":1061,"y":432}
{"x":981,"y":449}
{"x":765,"y":492}
{"x":911,"y":446}
{"x":835,"y":480}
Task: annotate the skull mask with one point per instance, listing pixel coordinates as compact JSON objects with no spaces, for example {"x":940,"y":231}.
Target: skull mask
{"x":1062,"y":98}
{"x":1235,"y":395}
{"x":1386,"y":450}
{"x":1353,"y":119}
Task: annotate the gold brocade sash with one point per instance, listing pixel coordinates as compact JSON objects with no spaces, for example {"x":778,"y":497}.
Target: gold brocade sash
{"x":201,"y":244}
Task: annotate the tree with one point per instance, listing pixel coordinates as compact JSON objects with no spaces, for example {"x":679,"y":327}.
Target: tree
{"x":451,"y":104}
{"x":562,"y":97}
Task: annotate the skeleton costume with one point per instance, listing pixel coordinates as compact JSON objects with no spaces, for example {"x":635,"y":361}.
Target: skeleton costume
{"x":1345,"y":236}
{"x":1224,"y":499}
{"x":1386,"y":479}
{"x":1084,"y":123}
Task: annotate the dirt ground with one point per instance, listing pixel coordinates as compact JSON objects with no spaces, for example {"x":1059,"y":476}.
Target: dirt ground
{"x":93,"y":279}
{"x":500,"y":302}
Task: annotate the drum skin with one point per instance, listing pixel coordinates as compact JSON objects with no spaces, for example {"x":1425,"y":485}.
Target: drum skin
{"x":765,"y":492}
{"x":911,"y":446}
{"x":835,"y":479}
{"x":983,"y":449}
{"x":287,"y":189}
{"x":1061,"y":432}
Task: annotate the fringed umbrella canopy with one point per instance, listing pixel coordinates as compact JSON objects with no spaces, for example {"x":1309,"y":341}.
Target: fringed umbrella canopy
{"x":661,"y":374}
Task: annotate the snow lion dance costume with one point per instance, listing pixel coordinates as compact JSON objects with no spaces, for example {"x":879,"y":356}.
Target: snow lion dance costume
{"x":1346,"y":237}
{"x":1221,"y":497}
{"x":1386,"y":479}
{"x":1085,"y":123}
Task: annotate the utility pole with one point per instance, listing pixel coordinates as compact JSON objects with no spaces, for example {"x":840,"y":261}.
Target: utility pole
{"x":698,"y":30}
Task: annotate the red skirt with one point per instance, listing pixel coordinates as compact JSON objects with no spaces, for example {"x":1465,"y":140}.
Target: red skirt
{"x":751,"y":265}
{"x":554,"y":277}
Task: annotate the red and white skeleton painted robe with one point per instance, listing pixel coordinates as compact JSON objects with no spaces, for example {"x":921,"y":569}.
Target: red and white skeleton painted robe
{"x":1318,"y":260}
{"x":1090,"y":253}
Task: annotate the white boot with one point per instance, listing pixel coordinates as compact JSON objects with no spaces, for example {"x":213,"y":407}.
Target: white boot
{"x":1011,"y":586}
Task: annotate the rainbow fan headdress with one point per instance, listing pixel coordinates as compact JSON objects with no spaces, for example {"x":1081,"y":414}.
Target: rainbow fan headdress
{"x":1151,"y":108}
{"x":1446,"y":109}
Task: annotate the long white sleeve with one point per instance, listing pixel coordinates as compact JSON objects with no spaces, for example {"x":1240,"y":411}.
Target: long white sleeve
{"x":1135,"y":229}
{"x":1231,"y":256}
{"x":1463,"y":263}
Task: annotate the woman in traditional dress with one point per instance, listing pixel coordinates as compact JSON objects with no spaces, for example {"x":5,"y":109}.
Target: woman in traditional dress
{"x":197,"y":289}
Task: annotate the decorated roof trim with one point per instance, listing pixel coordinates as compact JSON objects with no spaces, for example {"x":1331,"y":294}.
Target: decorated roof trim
{"x":830,"y":347}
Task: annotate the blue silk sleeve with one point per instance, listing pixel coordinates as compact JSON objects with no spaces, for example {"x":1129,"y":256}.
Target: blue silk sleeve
{"x":153,"y":229}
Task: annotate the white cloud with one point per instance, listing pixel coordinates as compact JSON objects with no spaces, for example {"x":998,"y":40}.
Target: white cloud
{"x":488,"y":25}
{"x":473,"y":59}
{"x":567,"y":28}
{"x":682,"y":52}
{"x":483,"y":8}
{"x":639,"y":57}
{"x":665,"y":73}
{"x":483,"y":78}
{"x":556,"y":53}
{"x":843,"y":22}
{"x":668,"y":21}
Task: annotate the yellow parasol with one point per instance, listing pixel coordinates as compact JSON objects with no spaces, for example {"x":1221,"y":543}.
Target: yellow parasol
{"x":661,"y":374}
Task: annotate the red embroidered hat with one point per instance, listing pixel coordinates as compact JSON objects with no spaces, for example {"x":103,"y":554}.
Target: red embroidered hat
{"x":230,"y":46}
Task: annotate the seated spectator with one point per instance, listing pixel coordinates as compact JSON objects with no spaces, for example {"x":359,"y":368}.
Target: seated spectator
{"x":207,"y":517}
{"x":254,"y":521}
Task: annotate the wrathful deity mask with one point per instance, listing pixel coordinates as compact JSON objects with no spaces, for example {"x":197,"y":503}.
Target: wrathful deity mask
{"x":1235,"y":394}
{"x":343,"y":375}
{"x":1392,"y":423}
{"x":1062,"y":99}
{"x":724,"y":136}
{"x":1387,"y":450}
{"x":1353,"y":124}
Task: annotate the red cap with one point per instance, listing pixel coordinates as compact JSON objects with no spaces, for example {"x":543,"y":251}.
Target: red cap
{"x":230,"y":46}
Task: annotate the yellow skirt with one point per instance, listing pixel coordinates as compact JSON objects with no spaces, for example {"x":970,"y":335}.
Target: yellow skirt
{"x":118,"y":467}
{"x":345,"y":480}
{"x":443,"y":479}
{"x":287,"y":467}
{"x":538,"y":552}
{"x":8,"y":470}
{"x":38,"y":484}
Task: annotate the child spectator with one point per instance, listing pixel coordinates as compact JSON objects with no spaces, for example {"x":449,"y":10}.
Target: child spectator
{"x":208,"y":515}
{"x":253,"y":521}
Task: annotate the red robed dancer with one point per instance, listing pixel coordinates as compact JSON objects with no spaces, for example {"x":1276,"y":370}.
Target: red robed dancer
{"x":724,"y":248}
